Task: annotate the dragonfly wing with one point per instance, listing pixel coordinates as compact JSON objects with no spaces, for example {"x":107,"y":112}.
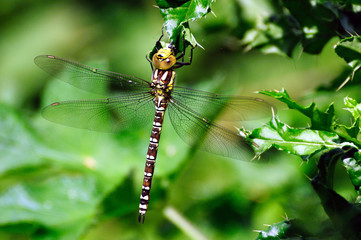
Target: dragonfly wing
{"x":104,"y":115}
{"x":194,"y":129}
{"x":226,"y":107}
{"x":88,"y":78}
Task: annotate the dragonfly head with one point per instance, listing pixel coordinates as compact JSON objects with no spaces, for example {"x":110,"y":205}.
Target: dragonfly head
{"x":164,"y":59}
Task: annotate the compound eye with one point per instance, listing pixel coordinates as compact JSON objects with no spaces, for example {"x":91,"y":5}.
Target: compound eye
{"x":164,"y":59}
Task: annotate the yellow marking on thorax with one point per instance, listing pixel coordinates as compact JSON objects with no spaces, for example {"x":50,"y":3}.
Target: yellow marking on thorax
{"x":171,"y":83}
{"x":159,"y":91}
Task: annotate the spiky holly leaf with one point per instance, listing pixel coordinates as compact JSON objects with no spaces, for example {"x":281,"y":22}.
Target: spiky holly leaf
{"x":351,"y":133}
{"x":350,"y":50}
{"x":353,"y":107}
{"x":319,"y":120}
{"x":281,"y":230}
{"x":344,"y":215}
{"x":177,"y":14}
{"x":302,"y":142}
{"x":301,"y":23}
{"x":353,"y":166}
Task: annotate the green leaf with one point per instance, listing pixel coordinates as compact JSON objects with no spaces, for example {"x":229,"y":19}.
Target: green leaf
{"x":319,"y":120}
{"x":351,"y":133}
{"x":40,"y":187}
{"x":316,"y":21}
{"x":177,"y":14}
{"x":19,"y":141}
{"x":300,"y":142}
{"x":295,"y":23}
{"x":345,"y":216}
{"x":350,"y":50}
{"x":357,"y":2}
{"x":64,"y":204}
{"x":110,"y":206}
{"x":281,"y":230}
{"x":19,"y":145}
{"x":326,"y":166}
{"x":353,"y":107}
{"x":353,"y":167}
{"x":274,"y":36}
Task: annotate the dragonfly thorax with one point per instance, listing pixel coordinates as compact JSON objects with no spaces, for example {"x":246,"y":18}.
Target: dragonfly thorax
{"x":164,"y":59}
{"x":163,"y":80}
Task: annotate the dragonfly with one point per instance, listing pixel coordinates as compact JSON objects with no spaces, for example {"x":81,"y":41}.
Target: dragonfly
{"x":193,"y":113}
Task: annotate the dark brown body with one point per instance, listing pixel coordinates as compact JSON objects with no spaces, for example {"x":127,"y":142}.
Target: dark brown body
{"x":162,"y":84}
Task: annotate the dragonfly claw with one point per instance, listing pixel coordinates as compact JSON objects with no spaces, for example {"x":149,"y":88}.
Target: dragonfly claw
{"x":140,"y":218}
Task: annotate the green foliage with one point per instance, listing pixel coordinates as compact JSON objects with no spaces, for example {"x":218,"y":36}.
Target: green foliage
{"x":280,"y":230}
{"x":324,"y":121}
{"x":14,"y":135}
{"x":350,"y":132}
{"x":319,"y":120}
{"x":308,"y":23}
{"x":37,"y":188}
{"x":63,"y":183}
{"x":301,"y":142}
{"x":306,"y":26}
{"x":307,"y":143}
{"x":353,"y":167}
{"x":353,"y":107}
{"x":178,"y":14}
{"x":350,"y":50}
{"x":344,"y":215}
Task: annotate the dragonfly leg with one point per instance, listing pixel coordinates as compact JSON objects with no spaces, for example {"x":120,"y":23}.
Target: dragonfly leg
{"x":184,"y":49}
{"x":156,"y":47}
{"x":181,"y":56}
{"x":140,"y":218}
{"x":161,"y":35}
{"x":158,"y":42}
{"x":180,"y":64}
{"x":150,"y":61}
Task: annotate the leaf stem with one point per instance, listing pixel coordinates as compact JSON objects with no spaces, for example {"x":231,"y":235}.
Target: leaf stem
{"x":182,"y":223}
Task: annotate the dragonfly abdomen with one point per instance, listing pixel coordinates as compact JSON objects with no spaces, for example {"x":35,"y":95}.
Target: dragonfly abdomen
{"x":160,"y":107}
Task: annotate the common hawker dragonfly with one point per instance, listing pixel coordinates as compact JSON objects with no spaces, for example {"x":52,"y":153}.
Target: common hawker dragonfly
{"x":191,"y":112}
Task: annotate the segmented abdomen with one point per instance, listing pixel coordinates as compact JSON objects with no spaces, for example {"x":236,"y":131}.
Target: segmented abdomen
{"x":151,"y":157}
{"x":162,"y":81}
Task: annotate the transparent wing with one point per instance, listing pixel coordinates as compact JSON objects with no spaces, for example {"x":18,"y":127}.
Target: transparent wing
{"x":195,"y":129}
{"x":88,"y":78}
{"x":229,"y":108}
{"x":104,"y":115}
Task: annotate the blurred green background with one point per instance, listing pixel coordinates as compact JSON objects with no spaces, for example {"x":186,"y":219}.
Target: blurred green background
{"x":58,"y":182}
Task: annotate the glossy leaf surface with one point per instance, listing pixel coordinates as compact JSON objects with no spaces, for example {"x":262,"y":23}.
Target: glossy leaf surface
{"x":351,"y":133}
{"x":301,"y":142}
{"x":34,"y":190}
{"x":344,"y":215}
{"x":350,"y":50}
{"x":177,"y":14}
{"x":319,"y":120}
{"x":280,"y":230}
